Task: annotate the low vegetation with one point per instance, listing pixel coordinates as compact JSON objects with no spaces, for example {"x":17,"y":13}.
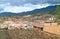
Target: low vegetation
{"x":29,"y":34}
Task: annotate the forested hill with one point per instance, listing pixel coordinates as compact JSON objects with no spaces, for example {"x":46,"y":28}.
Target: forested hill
{"x":56,"y":12}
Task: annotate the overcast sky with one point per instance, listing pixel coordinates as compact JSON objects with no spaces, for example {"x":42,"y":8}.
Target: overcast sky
{"x":17,"y":6}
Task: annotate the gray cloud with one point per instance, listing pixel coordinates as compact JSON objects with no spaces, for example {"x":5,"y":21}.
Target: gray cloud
{"x":22,"y":2}
{"x":25,"y":5}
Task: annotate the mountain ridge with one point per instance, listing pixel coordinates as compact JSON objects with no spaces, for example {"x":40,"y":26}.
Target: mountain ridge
{"x":43,"y":10}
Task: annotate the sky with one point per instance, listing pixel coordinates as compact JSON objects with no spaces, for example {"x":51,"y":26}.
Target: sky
{"x":17,"y":6}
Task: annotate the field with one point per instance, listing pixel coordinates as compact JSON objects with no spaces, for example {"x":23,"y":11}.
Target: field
{"x":27,"y":34}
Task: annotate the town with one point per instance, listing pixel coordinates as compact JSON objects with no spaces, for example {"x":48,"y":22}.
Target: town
{"x":27,"y":22}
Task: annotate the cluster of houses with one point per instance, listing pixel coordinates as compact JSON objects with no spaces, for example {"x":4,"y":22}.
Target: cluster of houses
{"x":47,"y":22}
{"x":25,"y":24}
{"x":12,"y":25}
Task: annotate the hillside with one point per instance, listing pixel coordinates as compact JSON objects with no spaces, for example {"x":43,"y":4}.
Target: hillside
{"x":29,"y":34}
{"x":36,"y":11}
{"x":56,"y":12}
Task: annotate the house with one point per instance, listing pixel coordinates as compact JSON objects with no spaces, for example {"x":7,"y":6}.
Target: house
{"x":27,"y":26}
{"x":4,"y":27}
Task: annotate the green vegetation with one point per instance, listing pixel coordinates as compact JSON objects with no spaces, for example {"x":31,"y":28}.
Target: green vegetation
{"x":56,"y":13}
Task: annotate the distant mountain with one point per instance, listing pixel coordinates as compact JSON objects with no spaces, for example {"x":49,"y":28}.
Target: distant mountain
{"x":56,"y":11}
{"x":43,"y":10}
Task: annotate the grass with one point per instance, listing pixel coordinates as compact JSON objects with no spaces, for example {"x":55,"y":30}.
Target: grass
{"x":28,"y":34}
